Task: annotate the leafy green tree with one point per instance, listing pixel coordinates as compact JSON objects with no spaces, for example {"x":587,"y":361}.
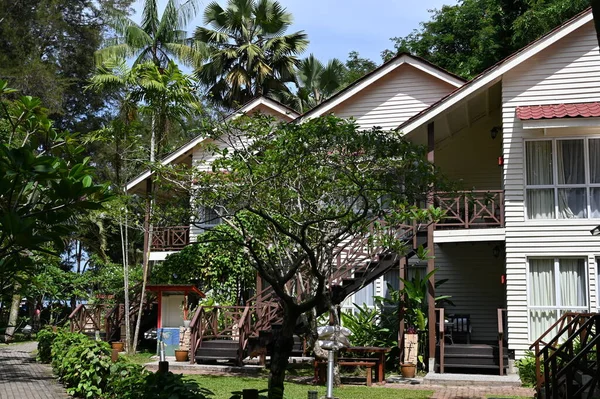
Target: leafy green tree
{"x":46,"y":184}
{"x":47,"y":51}
{"x":316,"y":82}
{"x":303,"y":190}
{"x":157,"y":39}
{"x":249,"y":52}
{"x":356,"y":68}
{"x":212,"y":264}
{"x":472,"y":35}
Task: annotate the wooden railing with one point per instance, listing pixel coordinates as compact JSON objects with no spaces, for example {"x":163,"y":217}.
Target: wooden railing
{"x":471,"y":209}
{"x":577,"y":357}
{"x":221,"y":322}
{"x":441,"y":336}
{"x":501,"y":324}
{"x":169,"y":238}
{"x":562,"y":332}
{"x":87,"y":319}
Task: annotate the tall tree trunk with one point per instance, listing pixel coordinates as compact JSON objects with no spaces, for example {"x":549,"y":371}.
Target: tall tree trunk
{"x":146,"y":262}
{"x":283,"y":344}
{"x":14,"y":314}
{"x":124,"y":252}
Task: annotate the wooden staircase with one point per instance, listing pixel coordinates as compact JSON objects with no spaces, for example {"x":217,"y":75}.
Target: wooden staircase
{"x":473,"y":358}
{"x":567,"y":356}
{"x":223,"y":333}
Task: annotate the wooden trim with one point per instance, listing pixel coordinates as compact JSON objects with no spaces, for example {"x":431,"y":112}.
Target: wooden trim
{"x":431,"y":250}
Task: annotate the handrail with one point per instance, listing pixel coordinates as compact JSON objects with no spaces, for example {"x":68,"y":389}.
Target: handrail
{"x":566,"y":353}
{"x":441,"y":337}
{"x":195,"y":333}
{"x":501,"y":339}
{"x":170,"y":238}
{"x":565,"y":324}
{"x":244,"y":325}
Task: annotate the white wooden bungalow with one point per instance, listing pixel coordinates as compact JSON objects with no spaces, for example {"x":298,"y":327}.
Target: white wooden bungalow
{"x":523,"y":138}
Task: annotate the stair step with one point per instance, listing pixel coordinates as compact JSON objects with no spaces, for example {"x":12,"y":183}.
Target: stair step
{"x":216,"y":353}
{"x":474,"y":349}
{"x":474,"y":360}
{"x":471,"y":366}
{"x":220,"y":344}
{"x":201,"y":358}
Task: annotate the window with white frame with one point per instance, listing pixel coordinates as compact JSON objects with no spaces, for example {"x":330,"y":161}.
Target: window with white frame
{"x":562,"y":178}
{"x":556,"y":285}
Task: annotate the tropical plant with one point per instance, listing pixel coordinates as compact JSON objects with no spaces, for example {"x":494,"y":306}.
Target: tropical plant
{"x":157,"y":39}
{"x":367,"y":329}
{"x":526,"y":367}
{"x":249,"y":52}
{"x":316,"y":82}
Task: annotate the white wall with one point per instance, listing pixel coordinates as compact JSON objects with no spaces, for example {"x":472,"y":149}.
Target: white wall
{"x":568,"y":71}
{"x":394,"y":98}
{"x":171,"y":313}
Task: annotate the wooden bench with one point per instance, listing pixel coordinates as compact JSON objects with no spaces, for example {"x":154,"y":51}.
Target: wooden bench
{"x":367,"y":363}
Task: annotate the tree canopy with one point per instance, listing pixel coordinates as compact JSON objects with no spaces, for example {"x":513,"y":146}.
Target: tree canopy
{"x":292,"y":194}
{"x":472,"y":35}
{"x":249,"y":51}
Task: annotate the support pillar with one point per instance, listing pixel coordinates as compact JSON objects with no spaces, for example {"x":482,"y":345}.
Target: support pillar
{"x":431,"y":254}
{"x":403,"y":264}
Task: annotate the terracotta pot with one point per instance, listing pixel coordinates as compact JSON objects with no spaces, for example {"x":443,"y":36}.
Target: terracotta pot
{"x":118,"y":346}
{"x":181,"y":355}
{"x":408,"y":370}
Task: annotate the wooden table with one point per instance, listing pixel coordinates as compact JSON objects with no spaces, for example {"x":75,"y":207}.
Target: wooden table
{"x":380,"y":352}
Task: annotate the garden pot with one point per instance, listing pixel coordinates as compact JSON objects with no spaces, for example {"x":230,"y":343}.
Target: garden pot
{"x":408,"y":370}
{"x":186,"y":323}
{"x":118,"y":346}
{"x":181,"y":355}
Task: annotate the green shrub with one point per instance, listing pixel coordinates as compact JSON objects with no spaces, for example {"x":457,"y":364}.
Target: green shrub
{"x":126,"y":381}
{"x":85,"y":368}
{"x":45,"y":339}
{"x":172,"y":386}
{"x":526,"y":367}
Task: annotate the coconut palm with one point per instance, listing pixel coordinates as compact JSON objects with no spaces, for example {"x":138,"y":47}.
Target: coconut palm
{"x":156,"y":39}
{"x":316,"y":82}
{"x":249,"y":53}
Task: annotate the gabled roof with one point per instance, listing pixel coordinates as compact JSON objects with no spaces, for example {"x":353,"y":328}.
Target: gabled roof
{"x":378,"y":73}
{"x":186,"y":149}
{"x":495,"y":72}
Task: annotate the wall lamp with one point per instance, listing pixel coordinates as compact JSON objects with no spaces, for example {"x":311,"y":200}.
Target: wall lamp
{"x":595,"y":231}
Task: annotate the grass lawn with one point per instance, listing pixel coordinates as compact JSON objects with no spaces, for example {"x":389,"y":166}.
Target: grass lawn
{"x":223,"y":386}
{"x":140,"y":357}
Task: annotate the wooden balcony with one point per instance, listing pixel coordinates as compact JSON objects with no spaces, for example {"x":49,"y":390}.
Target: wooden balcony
{"x":471,"y":209}
{"x":170,"y":238}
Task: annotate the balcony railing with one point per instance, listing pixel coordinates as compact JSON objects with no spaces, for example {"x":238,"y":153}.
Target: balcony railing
{"x":471,"y":209}
{"x":170,"y":238}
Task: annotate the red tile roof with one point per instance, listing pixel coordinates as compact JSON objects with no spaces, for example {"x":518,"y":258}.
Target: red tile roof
{"x":576,"y":110}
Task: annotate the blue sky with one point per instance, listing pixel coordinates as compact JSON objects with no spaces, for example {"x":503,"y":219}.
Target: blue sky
{"x":336,"y":27}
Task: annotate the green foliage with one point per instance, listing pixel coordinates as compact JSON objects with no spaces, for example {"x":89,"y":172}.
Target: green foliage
{"x":212,"y":264}
{"x":85,"y":368}
{"x":526,"y":367}
{"x":45,"y":338}
{"x":45,"y":184}
{"x":243,"y":63}
{"x":367,"y":329}
{"x":472,"y":35}
{"x":156,"y":39}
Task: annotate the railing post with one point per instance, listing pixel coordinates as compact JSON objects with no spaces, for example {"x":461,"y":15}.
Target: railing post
{"x":442,"y":339}
{"x":538,"y":369}
{"x":501,"y":341}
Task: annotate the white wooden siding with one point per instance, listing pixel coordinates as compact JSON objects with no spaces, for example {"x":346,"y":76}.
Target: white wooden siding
{"x":568,"y":72}
{"x":394,"y":98}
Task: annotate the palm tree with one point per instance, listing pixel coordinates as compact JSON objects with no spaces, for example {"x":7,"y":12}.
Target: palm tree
{"x":249,"y":53}
{"x":158,"y":40}
{"x":316,"y":82}
{"x":165,"y":94}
